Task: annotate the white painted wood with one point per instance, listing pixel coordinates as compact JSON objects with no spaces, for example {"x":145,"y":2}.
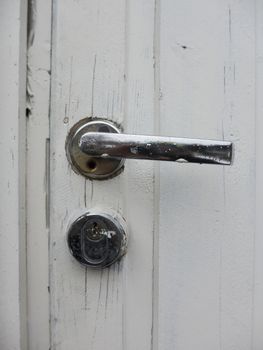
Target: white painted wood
{"x":138,"y":192}
{"x":258,"y":258}
{"x":102,"y":66}
{"x":207,"y":214}
{"x":38,"y":82}
{"x":12,"y":176}
{"x":192,"y":277}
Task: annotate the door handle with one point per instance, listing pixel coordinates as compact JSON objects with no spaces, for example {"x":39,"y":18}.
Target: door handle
{"x":97,"y":149}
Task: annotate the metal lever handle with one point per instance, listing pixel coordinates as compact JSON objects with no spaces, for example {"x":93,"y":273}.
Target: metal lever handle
{"x":110,"y":145}
{"x":97,"y":149}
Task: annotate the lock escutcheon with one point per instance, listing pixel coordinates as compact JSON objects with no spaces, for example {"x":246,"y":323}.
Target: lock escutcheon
{"x":98,"y":239}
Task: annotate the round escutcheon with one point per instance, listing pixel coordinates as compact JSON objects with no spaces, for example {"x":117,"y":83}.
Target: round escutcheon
{"x":98,"y":239}
{"x":96,"y":168}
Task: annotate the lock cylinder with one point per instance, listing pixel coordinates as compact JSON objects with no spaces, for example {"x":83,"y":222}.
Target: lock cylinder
{"x":98,"y":239}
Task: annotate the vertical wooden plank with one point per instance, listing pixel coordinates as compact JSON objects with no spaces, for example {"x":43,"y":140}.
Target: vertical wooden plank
{"x":258,"y":284}
{"x":38,"y":81}
{"x":12,"y":177}
{"x":87,"y":80}
{"x":139,"y":181}
{"x":238,"y":237}
{"x":207,"y":74}
{"x":98,"y":49}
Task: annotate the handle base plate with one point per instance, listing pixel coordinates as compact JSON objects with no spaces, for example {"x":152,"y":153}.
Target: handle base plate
{"x":92,"y":167}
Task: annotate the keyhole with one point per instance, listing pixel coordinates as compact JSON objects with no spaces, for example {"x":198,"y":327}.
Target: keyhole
{"x":95,"y":232}
{"x":91,"y":165}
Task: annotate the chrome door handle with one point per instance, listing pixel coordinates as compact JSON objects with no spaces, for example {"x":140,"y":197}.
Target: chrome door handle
{"x":108,"y":145}
{"x":97,"y":149}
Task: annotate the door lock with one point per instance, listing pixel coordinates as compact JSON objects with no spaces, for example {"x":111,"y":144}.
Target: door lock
{"x":96,"y":149}
{"x":98,"y":239}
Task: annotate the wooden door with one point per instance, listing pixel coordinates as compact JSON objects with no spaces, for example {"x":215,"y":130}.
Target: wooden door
{"x":192,"y":276}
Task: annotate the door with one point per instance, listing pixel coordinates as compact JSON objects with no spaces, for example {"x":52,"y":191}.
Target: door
{"x":192,"y":274}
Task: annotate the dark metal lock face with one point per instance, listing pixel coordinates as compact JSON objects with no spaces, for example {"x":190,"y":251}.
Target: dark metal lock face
{"x":97,"y":239}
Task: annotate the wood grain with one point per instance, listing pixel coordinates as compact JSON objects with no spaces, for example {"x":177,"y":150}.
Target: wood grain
{"x":13,"y":330}
{"x":207,"y":214}
{"x":191,"y":277}
{"x":38,"y":98}
{"x":102,"y":65}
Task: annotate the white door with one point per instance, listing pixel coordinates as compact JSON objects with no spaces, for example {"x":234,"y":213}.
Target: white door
{"x":192,"y":275}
